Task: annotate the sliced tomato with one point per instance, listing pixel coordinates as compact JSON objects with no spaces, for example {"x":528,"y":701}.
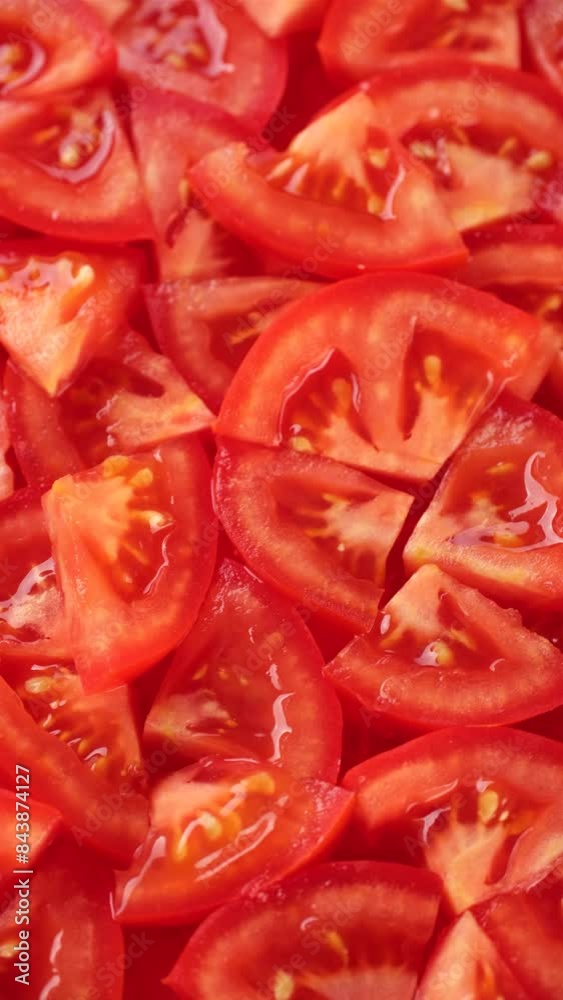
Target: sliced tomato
{"x":75,"y":948}
{"x":66,"y":169}
{"x":134,"y":542}
{"x":208,"y":327}
{"x":316,"y":530}
{"x":465,"y":963}
{"x":491,"y":136}
{"x":6,"y":471}
{"x":543,"y":24}
{"x":349,"y":930}
{"x":106,"y":814}
{"x":527,"y":929}
{"x":358,"y":35}
{"x":441,"y":654}
{"x":127,"y":399}
{"x":21,"y":814}
{"x":457,"y":801}
{"x":496,"y":521}
{"x":247,"y":682}
{"x":281,"y":17}
{"x":207,"y":50}
{"x":343,"y":198}
{"x":43,"y":52}
{"x":171,"y":133}
{"x":385,"y":372}
{"x":223,"y":828}
{"x":58,"y":308}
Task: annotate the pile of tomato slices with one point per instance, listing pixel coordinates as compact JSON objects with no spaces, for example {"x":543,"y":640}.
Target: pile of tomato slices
{"x":281,"y":499}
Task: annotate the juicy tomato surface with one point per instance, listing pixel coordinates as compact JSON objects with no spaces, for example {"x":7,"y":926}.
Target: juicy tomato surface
{"x":543,"y":23}
{"x":281,"y":17}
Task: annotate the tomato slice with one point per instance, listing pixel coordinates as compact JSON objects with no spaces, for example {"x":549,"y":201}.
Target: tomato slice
{"x":171,"y":133}
{"x":441,"y":654}
{"x":208,"y":327}
{"x":66,"y":169}
{"x":207,"y":50}
{"x":466,"y":964}
{"x":58,"y":308}
{"x":20,"y":814}
{"x":248,"y":682}
{"x":134,"y":542}
{"x":343,"y":198}
{"x":457,"y":801}
{"x":496,"y":521}
{"x":358,"y":35}
{"x":75,"y":947}
{"x":543,"y":24}
{"x":127,"y":399}
{"x":491,"y":136}
{"x":527,"y":929}
{"x":375,"y":950}
{"x":316,"y":530}
{"x":383,"y":372}
{"x":222,"y":828}
{"x":42,"y":53}
{"x":281,"y":17}
{"x":100,"y":812}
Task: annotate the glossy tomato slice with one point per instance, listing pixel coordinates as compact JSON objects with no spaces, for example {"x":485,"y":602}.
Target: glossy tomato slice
{"x":207,"y":50}
{"x":458,"y":801}
{"x":223,"y":828}
{"x":344,"y":197}
{"x":75,"y":947}
{"x":349,"y":930}
{"x":441,"y":654}
{"x":206,"y":328}
{"x":280,"y":17}
{"x":127,"y":399}
{"x":59,"y":307}
{"x":21,"y":814}
{"x":358,"y":35}
{"x":543,"y":24}
{"x":385,"y":372}
{"x":247,"y":682}
{"x":66,"y":169}
{"x":316,"y":530}
{"x":101,"y":812}
{"x":43,"y":52}
{"x":134,"y":542}
{"x":496,"y":521}
{"x":465,"y":963}
{"x":491,"y":136}
{"x":171,"y":133}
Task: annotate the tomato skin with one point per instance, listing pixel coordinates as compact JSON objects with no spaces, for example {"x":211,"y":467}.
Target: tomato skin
{"x":108,"y":200}
{"x":252,"y":484}
{"x":231,"y":40}
{"x":228,"y":810}
{"x":443,"y":655}
{"x":69,"y":50}
{"x":262,"y":721}
{"x":237,"y":952}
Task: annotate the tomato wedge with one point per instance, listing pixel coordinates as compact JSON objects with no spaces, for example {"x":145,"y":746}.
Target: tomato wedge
{"x":171,"y":133}
{"x":207,"y":50}
{"x":66,"y":169}
{"x":58,"y":308}
{"x":491,"y":136}
{"x":281,"y":17}
{"x":127,"y":399}
{"x":101,"y":812}
{"x":223,"y":828}
{"x":349,"y":930}
{"x":457,"y":801}
{"x":358,"y":35}
{"x":134,"y":542}
{"x":496,"y":519}
{"x":206,"y":328}
{"x":466,"y":963}
{"x":75,"y":948}
{"x":441,"y":654}
{"x":385,"y":372}
{"x":43,"y":52}
{"x":22,"y":814}
{"x":543,"y":24}
{"x":344,"y":197}
{"x":312,"y":528}
{"x":248,"y":682}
